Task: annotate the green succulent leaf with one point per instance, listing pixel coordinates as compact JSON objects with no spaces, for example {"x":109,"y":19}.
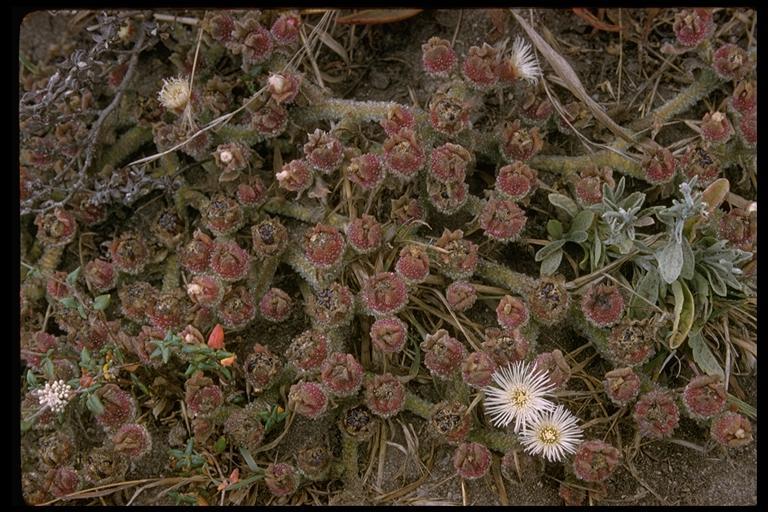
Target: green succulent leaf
{"x":565,"y":203}
{"x":101,"y":302}
{"x":703,"y":356}
{"x":551,"y":263}
{"x":555,"y":228}
{"x":582,"y":221}
{"x":670,"y":260}
{"x":548,"y":249}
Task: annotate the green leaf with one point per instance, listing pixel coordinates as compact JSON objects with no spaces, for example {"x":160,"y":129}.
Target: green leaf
{"x":548,"y":249}
{"x":248,"y":458}
{"x":565,"y":203}
{"x":72,"y":277}
{"x":26,"y":425}
{"x":689,"y":262}
{"x":48,"y":369}
{"x":597,"y":249}
{"x":670,"y":260}
{"x":31,"y":379}
{"x":633,"y":200}
{"x":577,"y":236}
{"x":648,"y":288}
{"x":81,"y":310}
{"x":703,"y":356}
{"x":85,"y":357}
{"x":716,"y":282}
{"x":140,"y":384}
{"x":551,"y":263}
{"x":582,"y":221}
{"x":101,"y":302}
{"x":220,"y":445}
{"x":555,"y":228}
{"x":68,"y":302}
{"x":94,"y":405}
{"x":684,"y":314}
{"x":166,"y":354}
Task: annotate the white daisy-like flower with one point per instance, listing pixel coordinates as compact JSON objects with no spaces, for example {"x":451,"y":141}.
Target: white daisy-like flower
{"x":519,"y":392}
{"x":524,"y":61}
{"x":175,"y":94}
{"x":552,"y":434}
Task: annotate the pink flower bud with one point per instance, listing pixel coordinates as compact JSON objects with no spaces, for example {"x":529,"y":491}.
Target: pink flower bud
{"x":731,"y":430}
{"x":389,"y":334}
{"x":413,"y":264}
{"x":512,"y":312}
{"x":518,"y":143}
{"x":324,"y":151}
{"x":275,"y":306}
{"x":308,"y":399}
{"x":237,"y":308}
{"x":443,"y":354}
{"x":516,"y":181}
{"x":100,"y":275}
{"x":704,"y":396}
{"x":448,"y":114}
{"x":631,"y":343}
{"x":129,"y":253}
{"x":283,"y":87}
{"x":502,"y":220}
{"x":365,"y":171}
{"x":660,"y":167}
{"x":56,"y":228}
{"x":202,"y":396}
{"x":195,"y":255}
{"x":477,"y":369}
{"x":223,"y":215}
{"x":342,"y":374}
{"x":656,"y":414}
{"x":602,"y":304}
{"x":295,"y":176}
{"x":285,"y":29}
{"x":398,"y":118}
{"x":479,"y":67}
{"x":449,"y":162}
{"x":438,"y":58}
{"x":132,"y":440}
{"x":471,"y":460}
{"x":384,"y":395}
{"x":595,"y":460}
{"x":403,"y":154}
{"x":744,"y":98}
{"x":261,"y":368}
{"x":323,"y":246}
{"x":622,"y":385}
{"x":693,"y":26}
{"x":331,"y":307}
{"x":450,"y":421}
{"x":505,"y":346}
{"x":716,"y":128}
{"x":384,"y":294}
{"x":364,"y":234}
{"x":308,"y":350}
{"x":731,"y":62}
{"x":229,"y":261}
{"x":460,"y":296}
{"x":458,"y":258}
{"x":281,"y":479}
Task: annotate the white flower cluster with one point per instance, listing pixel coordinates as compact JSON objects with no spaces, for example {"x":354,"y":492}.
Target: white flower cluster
{"x":54,"y":396}
{"x":520,"y":394}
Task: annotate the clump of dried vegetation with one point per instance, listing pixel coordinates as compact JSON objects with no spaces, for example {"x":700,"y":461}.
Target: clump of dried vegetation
{"x":217,"y":252}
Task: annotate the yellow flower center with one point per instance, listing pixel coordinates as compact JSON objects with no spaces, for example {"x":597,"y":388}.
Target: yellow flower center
{"x":519,"y":397}
{"x":549,"y":435}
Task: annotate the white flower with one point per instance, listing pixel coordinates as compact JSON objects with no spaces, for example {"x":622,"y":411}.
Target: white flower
{"x":524,"y":61}
{"x":552,"y":434}
{"x":175,"y":94}
{"x":54,"y":396}
{"x":519,"y":393}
